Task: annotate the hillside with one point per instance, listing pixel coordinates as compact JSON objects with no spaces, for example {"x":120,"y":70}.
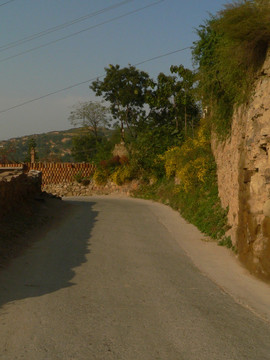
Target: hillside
{"x":52,"y":146}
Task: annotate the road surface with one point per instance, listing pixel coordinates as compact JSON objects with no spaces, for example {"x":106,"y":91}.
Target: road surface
{"x":109,"y":281}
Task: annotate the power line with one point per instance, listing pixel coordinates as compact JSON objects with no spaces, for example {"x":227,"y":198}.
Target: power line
{"x":60,"y":27}
{"x":89,"y":80}
{"x":81,"y":31}
{"x":161,"y":56}
{"x":7,"y":2}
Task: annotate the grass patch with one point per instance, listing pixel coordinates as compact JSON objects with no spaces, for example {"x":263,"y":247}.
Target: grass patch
{"x":200,"y":207}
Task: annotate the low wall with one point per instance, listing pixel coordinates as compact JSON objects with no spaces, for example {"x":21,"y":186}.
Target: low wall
{"x":78,"y":189}
{"x":57,"y":173}
{"x":16,"y":188}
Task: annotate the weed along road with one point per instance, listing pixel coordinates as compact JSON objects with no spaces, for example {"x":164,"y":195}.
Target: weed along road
{"x":109,"y":281}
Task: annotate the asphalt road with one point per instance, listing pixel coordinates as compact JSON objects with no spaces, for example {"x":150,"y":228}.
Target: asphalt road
{"x":109,"y":281}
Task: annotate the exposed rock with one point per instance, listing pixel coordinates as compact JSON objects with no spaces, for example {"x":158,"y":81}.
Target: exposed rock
{"x":266,"y":208}
{"x":78,"y":189}
{"x":243,"y":168}
{"x":120,"y":150}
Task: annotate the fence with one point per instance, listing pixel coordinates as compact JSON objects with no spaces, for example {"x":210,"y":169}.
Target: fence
{"x":56,"y":173}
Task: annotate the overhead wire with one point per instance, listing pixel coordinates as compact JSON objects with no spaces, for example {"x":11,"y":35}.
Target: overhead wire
{"x":89,"y":80}
{"x":82,"y":31}
{"x":61,"y":26}
{"x":7,"y":2}
{"x":161,"y":56}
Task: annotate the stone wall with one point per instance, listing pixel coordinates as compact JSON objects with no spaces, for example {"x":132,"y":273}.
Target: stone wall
{"x":58,"y":179}
{"x":16,"y":187}
{"x":243,"y":168}
{"x":78,"y":189}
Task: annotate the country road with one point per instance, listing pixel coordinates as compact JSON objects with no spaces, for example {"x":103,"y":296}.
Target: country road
{"x":110,"y":282}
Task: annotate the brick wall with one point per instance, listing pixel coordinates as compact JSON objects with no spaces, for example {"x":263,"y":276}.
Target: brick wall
{"x":56,"y":173}
{"x":11,"y":166}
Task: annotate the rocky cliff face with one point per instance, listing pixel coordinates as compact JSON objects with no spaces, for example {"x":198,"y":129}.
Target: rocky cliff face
{"x":243,"y":165}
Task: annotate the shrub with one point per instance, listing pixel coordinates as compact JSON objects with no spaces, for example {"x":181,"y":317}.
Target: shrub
{"x":100,"y":176}
{"x":82,"y":180}
{"x":192,"y":163}
{"x":171,"y":161}
{"x":197,"y":195}
{"x":231,"y":49}
{"x":123,"y":174}
{"x":104,"y":164}
{"x":201,"y":206}
{"x":124,"y":160}
{"x":114,"y":161}
{"x":86,"y":181}
{"x":78,"y":177}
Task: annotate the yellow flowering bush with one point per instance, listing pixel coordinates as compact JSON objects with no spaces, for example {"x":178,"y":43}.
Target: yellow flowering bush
{"x":100,"y":176}
{"x":122,"y":174}
{"x":171,"y":158}
{"x":192,"y":162}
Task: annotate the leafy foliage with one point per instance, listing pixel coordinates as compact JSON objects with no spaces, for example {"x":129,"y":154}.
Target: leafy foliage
{"x":81,"y":179}
{"x":125,"y":89}
{"x":196,"y":195}
{"x":231,"y":49}
{"x":100,"y":176}
{"x":123,"y":174}
{"x":192,"y":163}
{"x":200,"y":207}
{"x":84,"y":147}
{"x":173,"y":114}
{"x":172,"y":102}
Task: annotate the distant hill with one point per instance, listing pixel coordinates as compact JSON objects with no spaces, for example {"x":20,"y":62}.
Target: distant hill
{"x":51,"y":146}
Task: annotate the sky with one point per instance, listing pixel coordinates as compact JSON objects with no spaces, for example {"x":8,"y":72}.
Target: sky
{"x":111,"y":32}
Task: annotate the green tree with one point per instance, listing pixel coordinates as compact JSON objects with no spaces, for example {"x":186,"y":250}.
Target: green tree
{"x":84,"y":147}
{"x":125,"y":89}
{"x":172,"y":106}
{"x":172,"y":102}
{"x":183,"y":96}
{"x":87,"y":148}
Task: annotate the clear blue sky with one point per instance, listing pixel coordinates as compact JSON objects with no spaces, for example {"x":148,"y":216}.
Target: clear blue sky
{"x":165,"y":27}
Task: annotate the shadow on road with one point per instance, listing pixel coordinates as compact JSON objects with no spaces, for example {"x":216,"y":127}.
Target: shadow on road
{"x":49,"y":265}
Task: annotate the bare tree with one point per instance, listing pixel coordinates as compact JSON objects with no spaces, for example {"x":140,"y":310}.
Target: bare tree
{"x":91,"y":115}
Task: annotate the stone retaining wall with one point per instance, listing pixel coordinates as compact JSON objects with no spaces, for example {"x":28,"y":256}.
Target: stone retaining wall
{"x":16,"y":188}
{"x":78,"y":189}
{"x":243,"y":169}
